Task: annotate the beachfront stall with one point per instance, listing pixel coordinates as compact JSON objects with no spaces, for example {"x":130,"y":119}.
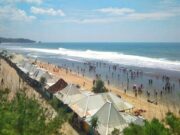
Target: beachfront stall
{"x":70,"y":94}
{"x":109,"y":118}
{"x":58,"y":86}
{"x":41,"y":73}
{"x":36,"y":73}
{"x":119,"y":103}
{"x":90,"y":104}
{"x":27,"y":66}
{"x":18,"y":58}
{"x":94,"y":104}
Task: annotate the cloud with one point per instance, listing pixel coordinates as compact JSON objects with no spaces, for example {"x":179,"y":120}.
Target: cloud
{"x":154,"y":16}
{"x":11,"y":13}
{"x":89,"y":20}
{"x":116,"y":15}
{"x":168,"y":1}
{"x":32,"y":1}
{"x":116,"y":11}
{"x":131,"y":14}
{"x":47,"y":11}
{"x":151,"y":16}
{"x":25,"y":1}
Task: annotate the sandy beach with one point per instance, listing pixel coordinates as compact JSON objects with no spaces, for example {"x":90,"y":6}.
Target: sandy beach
{"x":150,"y":110}
{"x":90,"y":68}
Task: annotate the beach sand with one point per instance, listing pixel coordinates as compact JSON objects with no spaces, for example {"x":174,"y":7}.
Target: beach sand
{"x":151,"y":110}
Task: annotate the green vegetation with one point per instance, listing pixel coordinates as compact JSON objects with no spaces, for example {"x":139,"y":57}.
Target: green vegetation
{"x":170,"y":126}
{"x":11,"y":56}
{"x":94,"y":124}
{"x":24,"y":116}
{"x":43,"y":81}
{"x":99,"y":87}
{"x":3,"y":53}
{"x":174,"y":123}
{"x":115,"y":132}
{"x":15,"y":40}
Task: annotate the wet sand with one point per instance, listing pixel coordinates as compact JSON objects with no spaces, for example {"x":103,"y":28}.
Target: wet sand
{"x":151,"y":110}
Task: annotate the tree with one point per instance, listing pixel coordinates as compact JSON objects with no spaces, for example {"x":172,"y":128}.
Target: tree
{"x":11,"y":56}
{"x":94,"y":123}
{"x":154,"y":127}
{"x":43,"y":81}
{"x":99,"y":87}
{"x":21,"y":116}
{"x":134,"y":130}
{"x":115,"y":132}
{"x":25,"y":116}
{"x":174,"y":123}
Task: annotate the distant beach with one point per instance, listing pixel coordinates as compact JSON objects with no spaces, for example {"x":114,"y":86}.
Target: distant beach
{"x":136,"y":77}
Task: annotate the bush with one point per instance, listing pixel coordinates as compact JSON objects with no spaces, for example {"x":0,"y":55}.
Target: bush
{"x":43,"y":80}
{"x":155,"y":127}
{"x":115,"y":132}
{"x":174,"y":123}
{"x":24,"y":116}
{"x":93,"y":125}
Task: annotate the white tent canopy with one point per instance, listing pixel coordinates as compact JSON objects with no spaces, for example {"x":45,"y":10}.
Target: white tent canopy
{"x":38,"y":73}
{"x":119,"y":103}
{"x":27,"y":67}
{"x":90,"y":104}
{"x":33,"y":69}
{"x":18,"y":58}
{"x":108,"y":119}
{"x":70,"y":94}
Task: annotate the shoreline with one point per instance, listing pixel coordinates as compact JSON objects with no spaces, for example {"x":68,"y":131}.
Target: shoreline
{"x":151,"y":110}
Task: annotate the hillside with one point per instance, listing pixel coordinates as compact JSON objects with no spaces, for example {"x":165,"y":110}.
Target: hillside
{"x":15,"y":40}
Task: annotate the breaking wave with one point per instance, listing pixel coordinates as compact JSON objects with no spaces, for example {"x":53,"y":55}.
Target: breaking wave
{"x":113,"y":57}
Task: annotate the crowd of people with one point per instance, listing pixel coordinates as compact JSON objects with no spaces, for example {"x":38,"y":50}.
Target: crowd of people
{"x":130,"y":80}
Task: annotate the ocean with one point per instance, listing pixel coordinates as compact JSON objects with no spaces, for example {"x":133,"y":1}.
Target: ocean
{"x":149,"y":55}
{"x":155,"y":60}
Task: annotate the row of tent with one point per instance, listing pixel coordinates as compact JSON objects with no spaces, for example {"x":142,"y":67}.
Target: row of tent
{"x":35,"y":72}
{"x":110,"y":109}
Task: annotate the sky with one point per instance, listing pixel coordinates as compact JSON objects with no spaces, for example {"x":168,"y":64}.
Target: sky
{"x":91,"y":20}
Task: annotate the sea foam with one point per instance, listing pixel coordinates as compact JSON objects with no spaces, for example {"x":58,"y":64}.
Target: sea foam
{"x":113,"y":57}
